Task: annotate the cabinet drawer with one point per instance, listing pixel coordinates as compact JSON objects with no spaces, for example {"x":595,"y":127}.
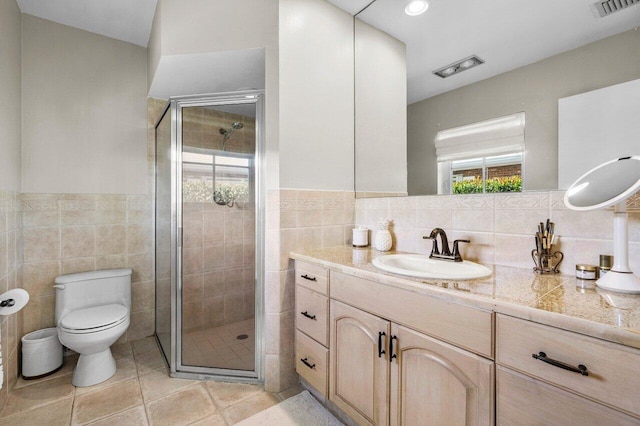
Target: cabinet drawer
{"x":313,"y":277}
{"x":522,"y":400}
{"x":312,"y":314}
{"x":464,"y":326}
{"x":316,"y":359}
{"x":613,"y":369}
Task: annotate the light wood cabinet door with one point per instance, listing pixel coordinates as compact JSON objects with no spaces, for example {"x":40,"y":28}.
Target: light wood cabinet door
{"x":359,"y":372}
{"x":525,"y":401}
{"x":434,"y":383}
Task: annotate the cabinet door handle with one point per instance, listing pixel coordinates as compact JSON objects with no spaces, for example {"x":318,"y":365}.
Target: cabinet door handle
{"x":307,"y":277}
{"x":391,"y":354}
{"x":305,"y":362}
{"x":582,"y":369}
{"x":380,"y":347}
{"x":306,"y":314}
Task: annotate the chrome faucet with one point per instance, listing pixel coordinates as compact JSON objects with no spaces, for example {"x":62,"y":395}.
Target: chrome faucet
{"x":446,"y":254}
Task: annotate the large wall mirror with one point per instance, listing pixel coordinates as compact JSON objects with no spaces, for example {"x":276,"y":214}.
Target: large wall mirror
{"x":532,"y":55}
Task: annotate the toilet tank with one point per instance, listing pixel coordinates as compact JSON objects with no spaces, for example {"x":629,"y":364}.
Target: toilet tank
{"x":88,"y":289}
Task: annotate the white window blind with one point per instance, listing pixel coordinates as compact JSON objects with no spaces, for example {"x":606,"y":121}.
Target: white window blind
{"x":497,"y":136}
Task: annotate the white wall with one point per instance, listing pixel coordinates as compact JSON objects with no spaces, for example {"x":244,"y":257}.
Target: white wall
{"x":316,"y":96}
{"x":10,"y":84}
{"x":601,"y":125}
{"x":191,"y":27}
{"x":380,"y":111}
{"x":84,"y":112}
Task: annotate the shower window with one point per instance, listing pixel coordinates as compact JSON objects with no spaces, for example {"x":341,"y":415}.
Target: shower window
{"x":208,"y":173}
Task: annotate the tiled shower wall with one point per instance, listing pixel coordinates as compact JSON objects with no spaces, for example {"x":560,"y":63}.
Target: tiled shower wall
{"x":10,"y":278}
{"x":296,"y":220}
{"x":68,"y":233}
{"x":218,"y":264}
{"x":501,"y":227}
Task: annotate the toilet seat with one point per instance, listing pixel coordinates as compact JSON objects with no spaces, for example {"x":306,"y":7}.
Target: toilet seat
{"x":94,"y":319}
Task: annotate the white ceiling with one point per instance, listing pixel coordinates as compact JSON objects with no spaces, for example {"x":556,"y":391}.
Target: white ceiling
{"x":507,"y":34}
{"x":126,"y":20}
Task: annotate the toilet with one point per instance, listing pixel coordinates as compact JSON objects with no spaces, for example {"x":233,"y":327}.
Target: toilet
{"x":92,"y":313}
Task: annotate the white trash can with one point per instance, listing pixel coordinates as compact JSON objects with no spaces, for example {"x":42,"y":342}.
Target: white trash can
{"x":41,"y":353}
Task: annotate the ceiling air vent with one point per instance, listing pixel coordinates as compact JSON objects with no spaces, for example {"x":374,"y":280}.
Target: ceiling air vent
{"x":607,"y":7}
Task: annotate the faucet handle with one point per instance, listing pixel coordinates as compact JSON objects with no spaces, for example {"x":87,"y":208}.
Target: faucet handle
{"x":456,"y":251}
{"x":434,"y":248}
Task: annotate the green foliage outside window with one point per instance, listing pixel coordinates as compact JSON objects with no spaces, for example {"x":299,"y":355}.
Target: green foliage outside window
{"x":201,"y":191}
{"x":498,"y":184}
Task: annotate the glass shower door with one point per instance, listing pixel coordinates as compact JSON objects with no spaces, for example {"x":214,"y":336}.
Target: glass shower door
{"x":217,"y":296}
{"x":163,"y":217}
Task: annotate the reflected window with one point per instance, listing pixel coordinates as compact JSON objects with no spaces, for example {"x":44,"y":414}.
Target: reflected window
{"x":482,"y":157}
{"x":215,"y":176}
{"x":500,"y":173}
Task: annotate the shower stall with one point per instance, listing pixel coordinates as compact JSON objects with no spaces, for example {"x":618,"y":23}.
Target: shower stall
{"x":209,"y":236}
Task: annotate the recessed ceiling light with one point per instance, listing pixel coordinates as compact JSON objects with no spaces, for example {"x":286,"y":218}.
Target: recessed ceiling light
{"x":459,"y":66}
{"x":416,"y":7}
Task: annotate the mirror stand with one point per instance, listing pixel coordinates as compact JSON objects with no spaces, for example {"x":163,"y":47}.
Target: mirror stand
{"x":620,"y":278}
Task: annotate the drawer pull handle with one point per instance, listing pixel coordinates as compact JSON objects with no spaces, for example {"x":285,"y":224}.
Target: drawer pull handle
{"x":380,"y":347}
{"x":307,"y":277}
{"x":391,"y":354}
{"x":306,"y":314}
{"x":582,"y":369}
{"x":305,"y":362}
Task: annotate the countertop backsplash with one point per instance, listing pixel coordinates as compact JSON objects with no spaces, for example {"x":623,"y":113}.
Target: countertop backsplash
{"x":501,"y":226}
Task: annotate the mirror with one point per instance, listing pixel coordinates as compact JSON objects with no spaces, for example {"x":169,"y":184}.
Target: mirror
{"x":534,"y":54}
{"x":608,"y":184}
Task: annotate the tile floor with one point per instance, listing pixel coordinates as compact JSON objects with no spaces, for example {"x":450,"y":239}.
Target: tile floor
{"x":220,"y":347}
{"x":140,"y":393}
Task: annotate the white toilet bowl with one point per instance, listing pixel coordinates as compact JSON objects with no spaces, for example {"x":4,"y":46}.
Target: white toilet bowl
{"x":92,"y":313}
{"x":93,"y":340}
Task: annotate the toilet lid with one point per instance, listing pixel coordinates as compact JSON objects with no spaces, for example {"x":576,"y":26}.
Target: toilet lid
{"x":96,"y":317}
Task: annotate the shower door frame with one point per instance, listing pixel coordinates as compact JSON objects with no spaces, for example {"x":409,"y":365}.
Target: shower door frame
{"x":175,"y":106}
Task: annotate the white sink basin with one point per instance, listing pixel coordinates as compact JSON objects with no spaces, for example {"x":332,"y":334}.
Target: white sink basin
{"x":421,"y":266}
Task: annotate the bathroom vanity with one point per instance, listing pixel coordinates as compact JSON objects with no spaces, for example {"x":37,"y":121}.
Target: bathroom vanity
{"x":388,"y":349}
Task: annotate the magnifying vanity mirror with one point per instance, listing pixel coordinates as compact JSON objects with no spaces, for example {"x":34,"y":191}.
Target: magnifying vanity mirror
{"x":610,"y":184}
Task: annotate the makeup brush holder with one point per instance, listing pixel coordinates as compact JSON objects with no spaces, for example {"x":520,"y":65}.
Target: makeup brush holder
{"x":546,"y":262}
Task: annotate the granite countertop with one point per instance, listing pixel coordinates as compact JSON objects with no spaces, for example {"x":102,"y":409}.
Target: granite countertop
{"x":555,"y":300}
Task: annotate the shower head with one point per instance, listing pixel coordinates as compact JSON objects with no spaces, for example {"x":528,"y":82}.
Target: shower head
{"x":227,"y":133}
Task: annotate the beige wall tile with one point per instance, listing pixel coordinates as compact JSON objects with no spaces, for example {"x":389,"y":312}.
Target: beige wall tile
{"x":233,"y":307}
{"x":38,"y":278}
{"x":214,"y":258}
{"x":142,"y":296}
{"x":142,"y":324}
{"x":192,"y":288}
{"x":142,"y":266}
{"x":115,"y":261}
{"x":38,"y":218}
{"x":81,"y":264}
{"x":213,"y":284}
{"x":78,"y":241}
{"x":139,"y":238}
{"x":213,"y":311}
{"x":110,"y":239}
{"x":233,"y":256}
{"x":41,"y":244}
